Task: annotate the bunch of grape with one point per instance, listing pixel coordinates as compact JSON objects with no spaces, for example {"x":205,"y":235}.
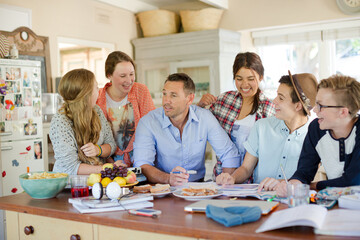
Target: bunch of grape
{"x":115,"y":172}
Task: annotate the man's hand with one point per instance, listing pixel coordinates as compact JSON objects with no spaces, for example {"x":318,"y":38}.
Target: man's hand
{"x":225,"y":178}
{"x":177,"y":179}
{"x":268,"y":184}
{"x":206,"y":100}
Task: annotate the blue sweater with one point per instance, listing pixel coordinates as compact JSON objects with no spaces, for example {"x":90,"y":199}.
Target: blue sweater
{"x":340,"y":157}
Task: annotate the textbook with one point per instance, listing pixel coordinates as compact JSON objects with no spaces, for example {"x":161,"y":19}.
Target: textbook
{"x":139,"y":205}
{"x":91,"y":204}
{"x":350,"y":201}
{"x":339,"y":222}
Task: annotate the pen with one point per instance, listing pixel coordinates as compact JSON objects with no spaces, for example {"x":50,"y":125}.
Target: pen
{"x":284,"y":174}
{"x":188,"y":172}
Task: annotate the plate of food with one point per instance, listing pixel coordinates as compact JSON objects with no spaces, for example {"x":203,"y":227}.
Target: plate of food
{"x":196,"y":194}
{"x":159,"y":190}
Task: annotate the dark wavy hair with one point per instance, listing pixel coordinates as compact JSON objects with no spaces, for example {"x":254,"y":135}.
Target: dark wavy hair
{"x":253,"y":62}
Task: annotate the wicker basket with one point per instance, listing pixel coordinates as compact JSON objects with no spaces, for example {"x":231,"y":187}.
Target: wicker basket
{"x":205,"y":19}
{"x":158,"y":22}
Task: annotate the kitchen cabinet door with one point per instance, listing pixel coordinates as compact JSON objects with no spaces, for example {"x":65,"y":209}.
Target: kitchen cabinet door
{"x":106,"y":233}
{"x":52,"y":228}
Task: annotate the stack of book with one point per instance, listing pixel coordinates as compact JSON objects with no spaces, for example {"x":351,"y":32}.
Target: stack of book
{"x":127,"y":202}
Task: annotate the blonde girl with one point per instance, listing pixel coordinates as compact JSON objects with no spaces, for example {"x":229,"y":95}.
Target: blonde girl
{"x":80,"y":134}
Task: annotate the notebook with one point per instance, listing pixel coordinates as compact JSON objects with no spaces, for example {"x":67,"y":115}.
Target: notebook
{"x":200,"y":206}
{"x":350,"y":201}
{"x":340,"y":222}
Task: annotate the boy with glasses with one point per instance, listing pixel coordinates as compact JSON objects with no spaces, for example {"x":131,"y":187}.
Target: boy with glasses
{"x":333,"y":138}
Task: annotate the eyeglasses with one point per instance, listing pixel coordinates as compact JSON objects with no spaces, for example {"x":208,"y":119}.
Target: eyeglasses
{"x":318,"y":106}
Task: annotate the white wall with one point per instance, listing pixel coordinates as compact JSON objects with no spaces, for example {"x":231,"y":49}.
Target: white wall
{"x":250,"y":14}
{"x":96,"y":21}
{"x":80,"y":19}
{"x":247,"y":15}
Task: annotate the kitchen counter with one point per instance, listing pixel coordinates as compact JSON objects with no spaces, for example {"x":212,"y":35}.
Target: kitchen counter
{"x":59,"y":219}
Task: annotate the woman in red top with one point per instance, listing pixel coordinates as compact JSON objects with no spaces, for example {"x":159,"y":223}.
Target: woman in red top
{"x":123,"y":102}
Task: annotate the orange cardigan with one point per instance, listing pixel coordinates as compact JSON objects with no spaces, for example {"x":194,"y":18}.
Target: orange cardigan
{"x":142,"y":103}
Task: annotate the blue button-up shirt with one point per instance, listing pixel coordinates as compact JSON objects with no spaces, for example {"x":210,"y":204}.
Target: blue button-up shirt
{"x":271,"y":142}
{"x":158,"y":142}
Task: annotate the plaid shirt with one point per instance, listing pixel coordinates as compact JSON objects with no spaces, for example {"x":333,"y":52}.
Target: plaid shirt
{"x":227,"y":108}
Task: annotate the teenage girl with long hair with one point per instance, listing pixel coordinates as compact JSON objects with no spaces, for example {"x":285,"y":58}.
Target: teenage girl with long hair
{"x":238,"y":110}
{"x":80,"y":134}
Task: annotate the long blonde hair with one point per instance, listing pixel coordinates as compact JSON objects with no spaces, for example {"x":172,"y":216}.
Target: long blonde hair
{"x":76,"y":89}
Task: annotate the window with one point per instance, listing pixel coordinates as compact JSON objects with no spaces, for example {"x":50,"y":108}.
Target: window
{"x":278,"y":59}
{"x":347,"y":60}
{"x":323,"y":50}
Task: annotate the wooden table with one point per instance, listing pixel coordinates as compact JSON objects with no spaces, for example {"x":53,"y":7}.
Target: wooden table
{"x":173,"y":223}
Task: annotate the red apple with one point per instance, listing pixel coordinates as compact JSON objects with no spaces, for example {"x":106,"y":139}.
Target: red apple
{"x":131,"y":177}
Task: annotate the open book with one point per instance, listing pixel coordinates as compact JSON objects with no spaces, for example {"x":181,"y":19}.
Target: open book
{"x":341,"y":222}
{"x":247,"y":190}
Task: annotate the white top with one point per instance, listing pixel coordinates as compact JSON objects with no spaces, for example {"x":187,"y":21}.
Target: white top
{"x":249,"y":121}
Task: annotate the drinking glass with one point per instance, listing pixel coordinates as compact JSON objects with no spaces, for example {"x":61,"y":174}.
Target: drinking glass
{"x":298,"y":194}
{"x":79,"y":186}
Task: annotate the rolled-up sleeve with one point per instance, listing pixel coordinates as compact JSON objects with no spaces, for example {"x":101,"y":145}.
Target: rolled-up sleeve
{"x":224,"y":148}
{"x":64,"y":144}
{"x":144,"y":144}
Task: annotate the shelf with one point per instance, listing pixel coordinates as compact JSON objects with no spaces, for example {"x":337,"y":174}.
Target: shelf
{"x":136,"y":6}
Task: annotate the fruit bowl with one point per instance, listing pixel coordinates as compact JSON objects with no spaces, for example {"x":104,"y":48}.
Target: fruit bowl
{"x":43,"y":188}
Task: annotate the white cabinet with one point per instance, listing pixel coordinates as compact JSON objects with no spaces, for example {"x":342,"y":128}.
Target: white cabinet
{"x":206,"y":56}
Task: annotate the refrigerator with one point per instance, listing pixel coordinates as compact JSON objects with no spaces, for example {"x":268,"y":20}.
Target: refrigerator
{"x":21,"y":137}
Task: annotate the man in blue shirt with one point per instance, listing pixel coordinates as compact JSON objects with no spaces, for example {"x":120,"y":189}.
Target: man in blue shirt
{"x":173,"y":138}
{"x":277,"y":141}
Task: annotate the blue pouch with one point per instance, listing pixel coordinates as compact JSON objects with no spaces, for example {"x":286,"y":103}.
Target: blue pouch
{"x":232,"y":216}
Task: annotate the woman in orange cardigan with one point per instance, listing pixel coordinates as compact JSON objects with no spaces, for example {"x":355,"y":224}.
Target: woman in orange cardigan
{"x":123,"y":102}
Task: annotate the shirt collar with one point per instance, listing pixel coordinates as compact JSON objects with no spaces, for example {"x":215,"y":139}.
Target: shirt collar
{"x":302,"y":130}
{"x":192,"y":117}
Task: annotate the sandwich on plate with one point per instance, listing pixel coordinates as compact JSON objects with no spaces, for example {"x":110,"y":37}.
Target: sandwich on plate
{"x":157,"y":189}
{"x":142,"y":189}
{"x":199,"y":191}
{"x":160,"y":188}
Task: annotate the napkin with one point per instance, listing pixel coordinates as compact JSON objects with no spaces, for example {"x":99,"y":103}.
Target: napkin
{"x":232,"y":216}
